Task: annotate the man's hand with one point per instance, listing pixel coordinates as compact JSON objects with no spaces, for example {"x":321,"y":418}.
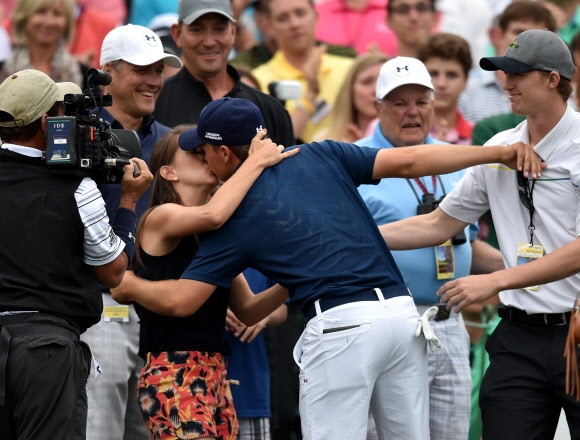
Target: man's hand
{"x":467,"y":290}
{"x":311,"y":69}
{"x":121,"y":292}
{"x":132,"y":188}
{"x":266,"y":153}
{"x":522,"y":157}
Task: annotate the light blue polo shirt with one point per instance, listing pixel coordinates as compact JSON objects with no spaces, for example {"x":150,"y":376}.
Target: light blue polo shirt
{"x":392,"y":200}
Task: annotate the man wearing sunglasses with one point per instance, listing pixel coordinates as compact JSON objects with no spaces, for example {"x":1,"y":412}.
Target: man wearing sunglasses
{"x":537,"y":223}
{"x":412,"y":22}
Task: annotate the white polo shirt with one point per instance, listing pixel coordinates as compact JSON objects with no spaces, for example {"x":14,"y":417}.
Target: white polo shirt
{"x":556,"y":199}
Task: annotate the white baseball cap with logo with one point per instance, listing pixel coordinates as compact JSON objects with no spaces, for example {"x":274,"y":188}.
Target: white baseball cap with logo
{"x":401,"y":71}
{"x":136,"y":45}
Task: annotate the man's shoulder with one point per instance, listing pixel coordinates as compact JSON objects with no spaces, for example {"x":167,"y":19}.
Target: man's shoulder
{"x":158,"y":130}
{"x":159,"y":127}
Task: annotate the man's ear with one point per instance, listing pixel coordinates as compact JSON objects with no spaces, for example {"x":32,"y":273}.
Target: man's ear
{"x":225,"y":152}
{"x":107,"y":67}
{"x":234,"y":25}
{"x":553,"y":79}
{"x":176,"y":33}
{"x":43,"y":123}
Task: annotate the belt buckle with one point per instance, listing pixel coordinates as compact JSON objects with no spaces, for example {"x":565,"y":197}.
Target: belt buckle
{"x":564,"y":320}
{"x":442,"y":313}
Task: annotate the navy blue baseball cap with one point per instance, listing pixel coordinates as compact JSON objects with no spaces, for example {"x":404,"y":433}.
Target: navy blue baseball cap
{"x":226,"y":121}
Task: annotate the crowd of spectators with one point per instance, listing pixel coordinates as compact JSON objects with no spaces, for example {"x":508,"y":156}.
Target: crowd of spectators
{"x":311,"y":67}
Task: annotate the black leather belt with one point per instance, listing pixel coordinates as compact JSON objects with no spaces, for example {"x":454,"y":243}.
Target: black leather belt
{"x":540,"y":319}
{"x":8,"y":331}
{"x":364,"y":295}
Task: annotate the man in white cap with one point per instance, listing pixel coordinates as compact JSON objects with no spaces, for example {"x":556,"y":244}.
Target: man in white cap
{"x":537,"y":224}
{"x":135,"y":58}
{"x":58,"y":247}
{"x":405,"y":110}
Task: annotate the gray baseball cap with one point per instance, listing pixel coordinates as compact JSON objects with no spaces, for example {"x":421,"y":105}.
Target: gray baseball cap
{"x":190,"y":10}
{"x":536,"y":49}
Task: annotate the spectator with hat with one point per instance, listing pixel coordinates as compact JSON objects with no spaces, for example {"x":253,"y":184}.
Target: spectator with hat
{"x":57,"y":247}
{"x":524,"y":389}
{"x":133,"y":55}
{"x":205,"y":32}
{"x":405,"y":106}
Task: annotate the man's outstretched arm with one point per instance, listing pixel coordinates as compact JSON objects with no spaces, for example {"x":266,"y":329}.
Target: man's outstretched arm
{"x":421,"y":230}
{"x":424,"y":160}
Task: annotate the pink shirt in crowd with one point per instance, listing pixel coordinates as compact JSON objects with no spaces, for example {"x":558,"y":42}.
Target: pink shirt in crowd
{"x":340,"y":25}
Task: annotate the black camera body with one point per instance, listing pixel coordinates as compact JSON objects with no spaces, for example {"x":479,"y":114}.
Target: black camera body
{"x":82,"y":144}
{"x":429,"y":204}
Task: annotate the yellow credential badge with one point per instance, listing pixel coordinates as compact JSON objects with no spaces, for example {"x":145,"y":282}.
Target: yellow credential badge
{"x":527,"y":253}
{"x":116,"y":313}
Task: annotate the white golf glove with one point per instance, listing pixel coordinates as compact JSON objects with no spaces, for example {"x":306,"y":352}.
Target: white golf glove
{"x":424,"y":325}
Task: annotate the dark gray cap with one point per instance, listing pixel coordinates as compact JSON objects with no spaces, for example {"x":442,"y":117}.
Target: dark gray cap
{"x":536,"y":49}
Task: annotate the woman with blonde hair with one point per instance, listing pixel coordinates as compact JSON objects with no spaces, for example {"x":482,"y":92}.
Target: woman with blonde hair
{"x":354,"y":111}
{"x":41,"y":31}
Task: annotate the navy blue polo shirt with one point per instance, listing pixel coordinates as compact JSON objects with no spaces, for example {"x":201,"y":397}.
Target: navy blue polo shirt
{"x":149,"y":133}
{"x":304,"y":224}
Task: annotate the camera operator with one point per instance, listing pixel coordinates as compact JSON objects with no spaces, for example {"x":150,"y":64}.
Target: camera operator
{"x":134,"y":57}
{"x":56,"y":247}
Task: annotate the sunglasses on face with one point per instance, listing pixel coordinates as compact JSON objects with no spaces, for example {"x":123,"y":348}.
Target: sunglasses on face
{"x":405,"y":9}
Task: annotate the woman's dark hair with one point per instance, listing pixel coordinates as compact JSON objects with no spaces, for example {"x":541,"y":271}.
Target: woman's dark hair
{"x":162,"y":191}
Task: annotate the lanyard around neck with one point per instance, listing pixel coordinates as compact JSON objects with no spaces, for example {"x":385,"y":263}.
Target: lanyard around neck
{"x":526,"y":193}
{"x":423,"y":188}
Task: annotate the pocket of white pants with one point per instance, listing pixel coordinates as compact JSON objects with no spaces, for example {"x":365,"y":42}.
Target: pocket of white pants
{"x":334,"y":358}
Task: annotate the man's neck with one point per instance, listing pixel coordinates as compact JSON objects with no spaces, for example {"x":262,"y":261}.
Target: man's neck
{"x":297,"y":59}
{"x":405,"y":50}
{"x":446,"y":119}
{"x":127,"y":121}
{"x":218,"y":85}
{"x":544,"y":121}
